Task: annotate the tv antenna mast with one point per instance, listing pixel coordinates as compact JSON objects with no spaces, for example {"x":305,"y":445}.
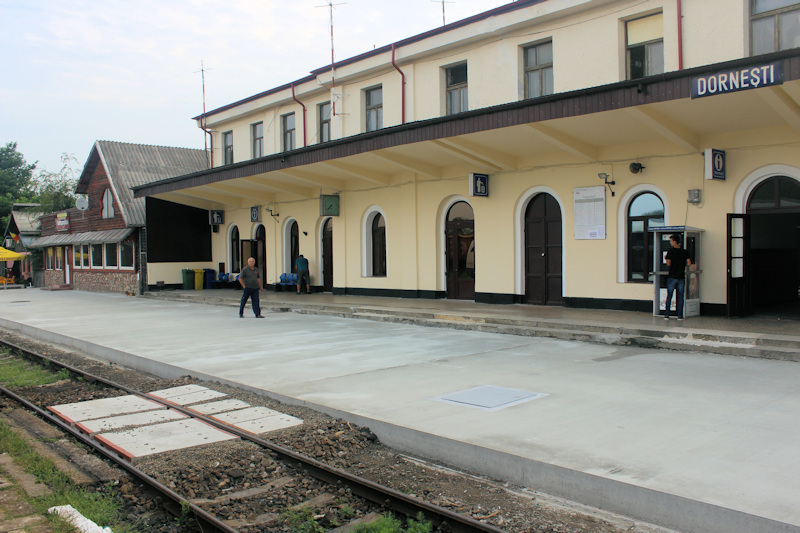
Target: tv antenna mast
{"x":443,"y":2}
{"x":330,"y":5}
{"x":202,"y":72}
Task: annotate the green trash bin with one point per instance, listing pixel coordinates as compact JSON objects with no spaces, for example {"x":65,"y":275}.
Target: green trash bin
{"x":199,"y":274}
{"x":188,"y":279}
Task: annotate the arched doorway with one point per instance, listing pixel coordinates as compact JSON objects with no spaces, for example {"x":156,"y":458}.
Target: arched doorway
{"x":327,"y":255}
{"x":460,"y":252}
{"x":543,"y":245}
{"x":773,"y":210}
{"x":261,"y":252}
{"x":292,"y":246}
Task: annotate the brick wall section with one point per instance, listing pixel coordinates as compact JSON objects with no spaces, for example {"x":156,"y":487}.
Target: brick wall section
{"x":92,"y":220}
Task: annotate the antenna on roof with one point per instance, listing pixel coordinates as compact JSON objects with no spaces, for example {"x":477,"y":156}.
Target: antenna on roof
{"x":202,"y":72}
{"x":443,"y":2}
{"x":330,"y":5}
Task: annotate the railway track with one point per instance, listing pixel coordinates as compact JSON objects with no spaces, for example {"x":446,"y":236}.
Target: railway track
{"x":291,"y":483}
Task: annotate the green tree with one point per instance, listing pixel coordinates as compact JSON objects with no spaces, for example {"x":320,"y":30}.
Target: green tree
{"x":56,"y":190}
{"x":15,"y":179}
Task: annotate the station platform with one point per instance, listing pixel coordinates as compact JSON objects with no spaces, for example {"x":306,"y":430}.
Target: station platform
{"x":686,"y":438}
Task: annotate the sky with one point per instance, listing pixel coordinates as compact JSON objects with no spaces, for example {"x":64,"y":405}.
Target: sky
{"x":76,"y":71}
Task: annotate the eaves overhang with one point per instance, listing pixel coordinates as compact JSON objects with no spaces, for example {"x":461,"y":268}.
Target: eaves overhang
{"x":620,"y":95}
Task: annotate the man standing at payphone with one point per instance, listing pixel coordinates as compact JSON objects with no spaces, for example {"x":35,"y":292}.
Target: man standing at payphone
{"x":677,"y":260}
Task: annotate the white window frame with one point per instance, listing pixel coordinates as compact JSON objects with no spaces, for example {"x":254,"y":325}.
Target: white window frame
{"x":108,"y":204}
{"x":622,"y":225}
{"x":257,"y":141}
{"x":106,"y":255}
{"x":369,"y":109}
{"x":49,"y":258}
{"x":58,"y":263}
{"x":456,"y":90}
{"x":92,"y":256}
{"x":540,"y":67}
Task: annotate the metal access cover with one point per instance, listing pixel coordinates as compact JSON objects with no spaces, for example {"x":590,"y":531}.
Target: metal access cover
{"x":93,"y":409}
{"x":164,"y":437}
{"x":136,"y":419}
{"x":490,"y":397}
{"x":257,"y":420}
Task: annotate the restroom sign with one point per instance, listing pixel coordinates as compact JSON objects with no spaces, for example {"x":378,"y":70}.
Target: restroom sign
{"x":478,"y":184}
{"x":715,"y":164}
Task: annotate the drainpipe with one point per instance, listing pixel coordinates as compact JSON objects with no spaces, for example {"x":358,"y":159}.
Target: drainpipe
{"x":210,"y":136}
{"x":680,"y":35}
{"x":402,"y":88}
{"x":294,"y":97}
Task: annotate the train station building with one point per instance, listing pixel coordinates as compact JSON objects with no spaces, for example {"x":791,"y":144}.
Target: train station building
{"x":523,"y":155}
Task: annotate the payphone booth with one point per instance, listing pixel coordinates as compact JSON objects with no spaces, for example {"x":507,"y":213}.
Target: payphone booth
{"x":691,"y":242}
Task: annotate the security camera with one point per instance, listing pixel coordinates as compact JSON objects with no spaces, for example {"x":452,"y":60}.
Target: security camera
{"x":636,"y":168}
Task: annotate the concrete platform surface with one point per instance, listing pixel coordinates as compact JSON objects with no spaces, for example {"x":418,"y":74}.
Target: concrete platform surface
{"x":696,"y":442}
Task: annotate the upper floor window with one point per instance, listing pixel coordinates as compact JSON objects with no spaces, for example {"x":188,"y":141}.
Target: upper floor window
{"x":644,"y":212}
{"x":645,"y":46}
{"x":287,"y":127}
{"x":227,"y":146}
{"x":539,"y":70}
{"x":257,"y":135}
{"x":108,"y":204}
{"x":775,"y":25}
{"x":374,"y":106}
{"x":456,"y":81}
{"x":324,"y":122}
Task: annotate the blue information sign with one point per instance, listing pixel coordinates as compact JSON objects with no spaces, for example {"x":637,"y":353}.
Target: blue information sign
{"x":478,"y":184}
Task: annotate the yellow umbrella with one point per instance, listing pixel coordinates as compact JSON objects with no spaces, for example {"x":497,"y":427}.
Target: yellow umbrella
{"x":8,"y":255}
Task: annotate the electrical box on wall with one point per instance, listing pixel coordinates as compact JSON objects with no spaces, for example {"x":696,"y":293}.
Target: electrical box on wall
{"x":694,"y":196}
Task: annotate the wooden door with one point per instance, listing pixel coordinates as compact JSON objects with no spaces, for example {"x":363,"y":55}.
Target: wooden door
{"x":543,"y":251}
{"x":327,"y":256}
{"x":739,"y":300}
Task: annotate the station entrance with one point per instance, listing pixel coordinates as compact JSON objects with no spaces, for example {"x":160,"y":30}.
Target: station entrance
{"x":764,"y":252}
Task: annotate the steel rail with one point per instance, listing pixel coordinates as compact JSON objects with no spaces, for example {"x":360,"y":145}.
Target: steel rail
{"x":205,"y":519}
{"x":382,"y":495}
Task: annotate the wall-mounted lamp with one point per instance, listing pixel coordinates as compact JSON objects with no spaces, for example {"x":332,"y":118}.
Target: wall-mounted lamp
{"x":273,"y":215}
{"x":603,"y":176}
{"x":636,"y":168}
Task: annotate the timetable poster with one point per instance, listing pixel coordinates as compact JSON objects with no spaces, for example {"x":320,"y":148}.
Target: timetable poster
{"x":590,"y":212}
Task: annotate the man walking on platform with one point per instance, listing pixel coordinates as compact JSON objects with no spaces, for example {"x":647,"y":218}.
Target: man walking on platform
{"x":250,"y":280}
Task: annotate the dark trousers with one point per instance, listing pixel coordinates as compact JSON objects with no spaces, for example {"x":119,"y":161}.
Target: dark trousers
{"x":678,"y":286}
{"x":253,"y":295}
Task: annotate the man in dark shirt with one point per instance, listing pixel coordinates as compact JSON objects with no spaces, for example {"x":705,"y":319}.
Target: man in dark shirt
{"x":250,"y":280}
{"x":677,"y":261}
{"x":302,"y":274}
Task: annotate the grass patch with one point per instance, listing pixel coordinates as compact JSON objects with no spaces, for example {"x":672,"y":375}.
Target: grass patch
{"x":98,"y":505}
{"x":390,"y":524}
{"x":17,"y":373}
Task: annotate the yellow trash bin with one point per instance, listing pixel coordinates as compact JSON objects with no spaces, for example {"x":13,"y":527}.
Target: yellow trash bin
{"x":199,"y":273}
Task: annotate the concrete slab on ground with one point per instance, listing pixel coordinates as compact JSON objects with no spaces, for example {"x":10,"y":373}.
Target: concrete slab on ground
{"x":220,"y":406}
{"x":257,"y":420}
{"x":159,"y":438}
{"x":696,"y":442}
{"x":103,"y":408}
{"x":101,"y":425}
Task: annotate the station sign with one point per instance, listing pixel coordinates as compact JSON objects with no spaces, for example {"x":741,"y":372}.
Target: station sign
{"x":743,"y":79}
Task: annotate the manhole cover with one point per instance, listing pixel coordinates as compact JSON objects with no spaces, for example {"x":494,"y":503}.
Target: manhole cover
{"x":490,"y":397}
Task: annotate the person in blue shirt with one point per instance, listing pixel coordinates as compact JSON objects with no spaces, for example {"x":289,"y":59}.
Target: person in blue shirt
{"x":302,"y":273}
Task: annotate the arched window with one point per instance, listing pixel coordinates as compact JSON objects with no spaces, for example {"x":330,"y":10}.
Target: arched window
{"x":236,"y":259}
{"x":778,"y":193}
{"x":378,"y":245}
{"x":645,"y":211}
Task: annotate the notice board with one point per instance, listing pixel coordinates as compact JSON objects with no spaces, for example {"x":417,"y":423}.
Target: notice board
{"x":590,"y":212}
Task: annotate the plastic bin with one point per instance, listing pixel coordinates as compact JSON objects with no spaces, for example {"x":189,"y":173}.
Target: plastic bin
{"x":210,"y":273}
{"x":188,"y":279}
{"x":199,"y":273}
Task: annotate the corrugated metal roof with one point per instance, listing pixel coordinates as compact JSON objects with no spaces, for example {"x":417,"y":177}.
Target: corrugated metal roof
{"x":27,"y":221}
{"x":130,"y":165}
{"x":89,"y":237}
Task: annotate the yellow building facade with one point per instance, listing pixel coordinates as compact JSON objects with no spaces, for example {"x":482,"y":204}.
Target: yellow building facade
{"x":523,"y":156}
